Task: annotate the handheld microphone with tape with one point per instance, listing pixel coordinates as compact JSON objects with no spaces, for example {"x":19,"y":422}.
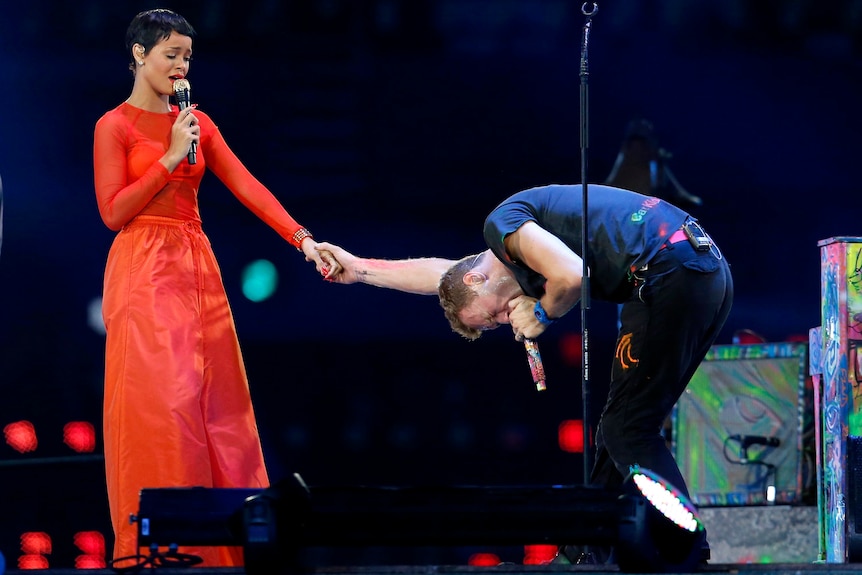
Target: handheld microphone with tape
{"x":749,"y":440}
{"x":183,"y":94}
{"x":537,"y":368}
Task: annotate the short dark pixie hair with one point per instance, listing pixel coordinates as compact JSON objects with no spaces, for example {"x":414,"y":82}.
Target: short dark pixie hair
{"x":151,"y":27}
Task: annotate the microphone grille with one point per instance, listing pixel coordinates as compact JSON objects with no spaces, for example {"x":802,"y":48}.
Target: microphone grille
{"x":181,"y":85}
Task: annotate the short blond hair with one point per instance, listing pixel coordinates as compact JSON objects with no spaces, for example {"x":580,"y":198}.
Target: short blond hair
{"x":455,"y":295}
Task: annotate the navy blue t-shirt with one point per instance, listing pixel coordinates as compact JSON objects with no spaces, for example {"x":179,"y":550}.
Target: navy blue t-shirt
{"x":626,"y":229}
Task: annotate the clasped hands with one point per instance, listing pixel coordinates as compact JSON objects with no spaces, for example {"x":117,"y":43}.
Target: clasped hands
{"x":324,"y":262}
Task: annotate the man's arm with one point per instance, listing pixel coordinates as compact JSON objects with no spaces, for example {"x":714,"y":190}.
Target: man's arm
{"x":545,"y":253}
{"x":420,"y":276}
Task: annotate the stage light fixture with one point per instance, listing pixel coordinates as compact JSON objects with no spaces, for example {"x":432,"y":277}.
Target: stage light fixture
{"x":36,"y":543}
{"x":660,"y":530}
{"x":21,"y":436}
{"x":80,"y":436}
{"x":484,"y":560}
{"x":570,"y":435}
{"x":650,"y":525}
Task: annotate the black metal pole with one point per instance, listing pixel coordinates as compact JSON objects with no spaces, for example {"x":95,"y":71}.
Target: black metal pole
{"x":585,"y":287}
{"x":1,"y":213}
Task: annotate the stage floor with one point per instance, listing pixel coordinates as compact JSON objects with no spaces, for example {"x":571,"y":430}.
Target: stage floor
{"x":771,"y":540}
{"x":735,"y":569}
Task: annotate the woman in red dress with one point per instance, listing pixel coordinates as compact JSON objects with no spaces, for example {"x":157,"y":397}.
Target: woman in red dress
{"x":177,"y":409}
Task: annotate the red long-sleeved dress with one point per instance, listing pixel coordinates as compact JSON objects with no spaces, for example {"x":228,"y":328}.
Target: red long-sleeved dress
{"x":177,"y":409}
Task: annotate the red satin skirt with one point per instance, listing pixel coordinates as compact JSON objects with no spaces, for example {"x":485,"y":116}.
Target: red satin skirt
{"x":177,"y":409}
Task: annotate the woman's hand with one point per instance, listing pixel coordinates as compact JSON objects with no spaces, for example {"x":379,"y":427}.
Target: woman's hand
{"x":324,"y":261}
{"x":345,"y":261}
{"x":184,"y":132}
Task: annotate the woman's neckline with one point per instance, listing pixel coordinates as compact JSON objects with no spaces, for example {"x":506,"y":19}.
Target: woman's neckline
{"x":127,"y":103}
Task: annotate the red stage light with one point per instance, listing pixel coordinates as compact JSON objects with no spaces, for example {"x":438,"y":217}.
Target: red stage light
{"x":90,"y":542}
{"x":35,"y":543}
{"x":32,"y":562}
{"x":80,"y":436}
{"x":483,"y":560}
{"x":21,"y":436}
{"x":570,"y":435}
{"x":539,"y":554}
{"x":90,"y":562}
{"x":571,"y":348}
{"x":748,"y":337}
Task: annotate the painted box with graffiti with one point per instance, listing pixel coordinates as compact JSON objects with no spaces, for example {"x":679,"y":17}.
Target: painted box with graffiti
{"x":836,"y":366}
{"x":743,"y":431}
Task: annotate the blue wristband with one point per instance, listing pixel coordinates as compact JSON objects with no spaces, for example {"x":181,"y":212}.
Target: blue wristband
{"x":541,"y":314}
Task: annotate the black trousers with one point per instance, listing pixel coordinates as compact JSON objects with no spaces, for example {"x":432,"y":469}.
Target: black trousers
{"x":675,"y":310}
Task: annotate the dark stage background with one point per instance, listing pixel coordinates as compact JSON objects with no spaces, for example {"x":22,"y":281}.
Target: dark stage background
{"x":392,"y":127}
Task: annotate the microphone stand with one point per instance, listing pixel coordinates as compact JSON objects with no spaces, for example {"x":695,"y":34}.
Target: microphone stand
{"x":586,"y":555}
{"x":585,"y":286}
{"x":1,"y":213}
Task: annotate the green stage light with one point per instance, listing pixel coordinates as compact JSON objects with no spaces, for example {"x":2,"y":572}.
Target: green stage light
{"x":259,"y":280}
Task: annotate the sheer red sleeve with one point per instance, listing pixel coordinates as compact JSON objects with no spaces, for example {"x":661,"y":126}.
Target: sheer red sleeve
{"x":255,"y":196}
{"x":119,"y":201}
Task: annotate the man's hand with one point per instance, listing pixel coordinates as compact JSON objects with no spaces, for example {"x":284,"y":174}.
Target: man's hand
{"x":324,"y":262}
{"x":523,"y":318}
{"x":344,"y":261}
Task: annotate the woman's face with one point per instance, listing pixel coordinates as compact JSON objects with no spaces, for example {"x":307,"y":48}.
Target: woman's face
{"x":167,"y":61}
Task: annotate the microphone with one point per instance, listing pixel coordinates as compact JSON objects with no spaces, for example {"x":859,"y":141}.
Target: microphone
{"x":535,"y":361}
{"x":746,"y":441}
{"x":183,"y":94}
